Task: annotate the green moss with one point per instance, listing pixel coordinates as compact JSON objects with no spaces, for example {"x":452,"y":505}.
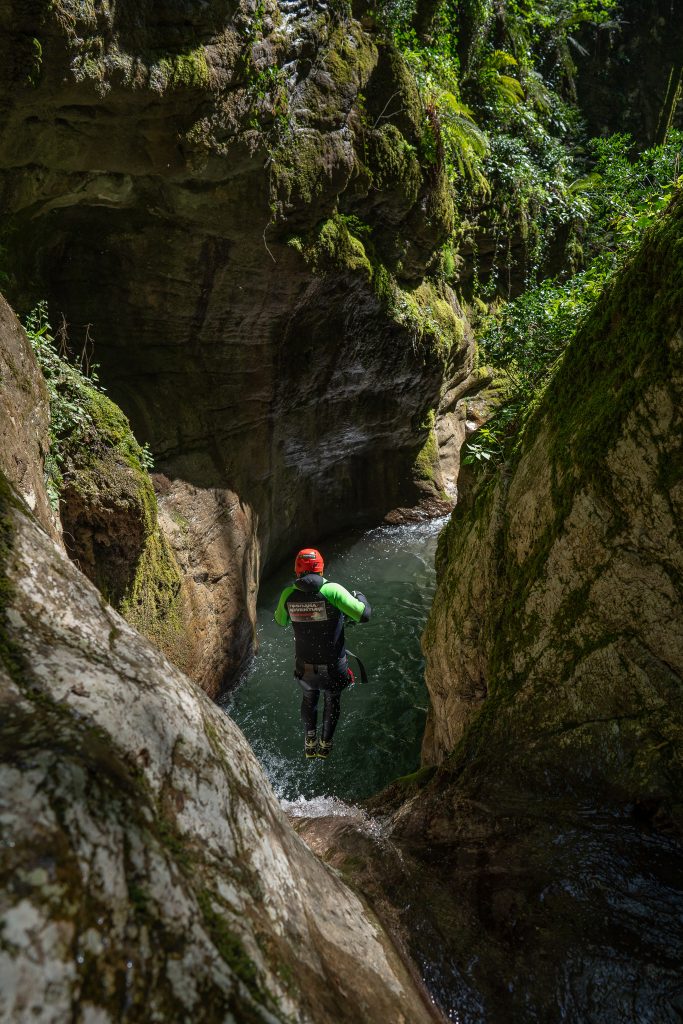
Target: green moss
{"x":393,"y":162}
{"x":416,"y":779}
{"x":295,"y":175}
{"x":395,"y":81}
{"x":181,"y":521}
{"x":229,"y":945}
{"x":153,"y":603}
{"x":352,"y":56}
{"x":186,"y":70}
{"x":429,"y":317}
{"x":427,"y":462}
{"x":440,"y":208}
{"x":336,"y":246}
{"x":331,"y":247}
{"x":168,"y":836}
{"x":139,"y":899}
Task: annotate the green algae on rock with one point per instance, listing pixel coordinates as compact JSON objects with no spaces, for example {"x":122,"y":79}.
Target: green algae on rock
{"x":147,"y":862}
{"x":544,"y":831}
{"x":154,"y":176}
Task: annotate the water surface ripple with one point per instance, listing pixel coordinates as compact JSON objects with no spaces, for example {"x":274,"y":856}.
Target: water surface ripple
{"x":380,"y":730}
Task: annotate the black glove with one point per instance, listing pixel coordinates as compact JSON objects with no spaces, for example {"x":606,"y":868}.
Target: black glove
{"x":359,"y":596}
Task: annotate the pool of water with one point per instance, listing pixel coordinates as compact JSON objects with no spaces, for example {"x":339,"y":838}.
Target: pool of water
{"x":380,"y":730}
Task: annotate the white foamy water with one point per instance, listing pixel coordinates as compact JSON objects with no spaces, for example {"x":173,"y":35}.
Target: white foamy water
{"x":321,"y":807}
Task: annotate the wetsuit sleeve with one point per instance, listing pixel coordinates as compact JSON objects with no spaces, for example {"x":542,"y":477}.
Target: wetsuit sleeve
{"x":281,"y":614}
{"x":344,"y":601}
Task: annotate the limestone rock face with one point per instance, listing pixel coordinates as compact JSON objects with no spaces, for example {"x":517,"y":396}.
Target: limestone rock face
{"x":146,"y":870}
{"x":558,"y":587}
{"x":545,"y":829}
{"x":234,"y":199}
{"x":24,"y":419}
{"x":213,"y":536}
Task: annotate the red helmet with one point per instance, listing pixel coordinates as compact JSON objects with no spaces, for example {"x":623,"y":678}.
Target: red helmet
{"x":308,"y":560}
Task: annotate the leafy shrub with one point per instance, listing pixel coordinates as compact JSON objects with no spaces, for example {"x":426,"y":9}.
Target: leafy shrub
{"x":526,"y":337}
{"x":74,"y":406}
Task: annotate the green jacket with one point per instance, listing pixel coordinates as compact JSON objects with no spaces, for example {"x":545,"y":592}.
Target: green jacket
{"x":337,"y":595}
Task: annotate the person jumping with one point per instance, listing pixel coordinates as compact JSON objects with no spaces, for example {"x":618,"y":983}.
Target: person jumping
{"x":316,"y":609}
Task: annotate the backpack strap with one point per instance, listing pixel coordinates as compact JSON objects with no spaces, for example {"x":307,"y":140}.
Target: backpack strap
{"x":361,"y":666}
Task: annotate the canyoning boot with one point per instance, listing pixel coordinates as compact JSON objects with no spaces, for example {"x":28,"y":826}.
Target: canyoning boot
{"x":311,"y":744}
{"x":324,"y":749}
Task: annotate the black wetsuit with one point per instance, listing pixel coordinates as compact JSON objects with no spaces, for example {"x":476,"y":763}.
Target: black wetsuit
{"x":316,"y":609}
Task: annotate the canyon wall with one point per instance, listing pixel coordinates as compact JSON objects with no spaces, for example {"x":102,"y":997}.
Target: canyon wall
{"x":630,"y":71}
{"x":147,"y":872}
{"x":544,"y":829}
{"x":236,"y":206}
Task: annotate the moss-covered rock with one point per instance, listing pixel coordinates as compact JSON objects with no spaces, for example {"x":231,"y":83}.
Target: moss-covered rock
{"x":154,"y":173}
{"x":108,"y":511}
{"x":148,"y":872}
{"x":605,"y":428}
{"x":544,"y":832}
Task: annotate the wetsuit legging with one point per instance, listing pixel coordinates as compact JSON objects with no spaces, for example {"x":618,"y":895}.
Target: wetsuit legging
{"x":331,"y":679}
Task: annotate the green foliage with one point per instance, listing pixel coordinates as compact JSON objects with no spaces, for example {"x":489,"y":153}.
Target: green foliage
{"x":496,"y":83}
{"x":625,"y":194}
{"x":76,"y":401}
{"x":527,"y":337}
{"x":451,"y":134}
{"x":498,"y":88}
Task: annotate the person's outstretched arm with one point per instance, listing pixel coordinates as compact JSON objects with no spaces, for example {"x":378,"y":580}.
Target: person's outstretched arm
{"x":357,"y":608}
{"x":281,"y":614}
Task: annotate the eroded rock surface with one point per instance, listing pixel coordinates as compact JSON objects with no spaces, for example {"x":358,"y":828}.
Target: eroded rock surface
{"x":146,"y":869}
{"x":213,"y":536}
{"x":24,"y":419}
{"x":545,"y":837}
{"x":237,"y":200}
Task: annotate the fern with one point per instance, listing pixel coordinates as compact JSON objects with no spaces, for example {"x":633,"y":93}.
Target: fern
{"x":499,"y":88}
{"x":465,"y":144}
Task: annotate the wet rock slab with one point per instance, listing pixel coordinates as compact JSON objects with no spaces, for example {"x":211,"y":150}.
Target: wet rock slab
{"x":147,"y":872}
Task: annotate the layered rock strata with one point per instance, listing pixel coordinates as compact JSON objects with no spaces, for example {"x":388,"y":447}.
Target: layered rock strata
{"x":240,"y":204}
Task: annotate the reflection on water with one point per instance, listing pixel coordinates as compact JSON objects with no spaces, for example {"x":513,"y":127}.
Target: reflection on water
{"x":381,"y":726}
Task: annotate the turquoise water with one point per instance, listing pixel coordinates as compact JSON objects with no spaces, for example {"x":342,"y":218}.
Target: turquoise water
{"x":380,"y":730}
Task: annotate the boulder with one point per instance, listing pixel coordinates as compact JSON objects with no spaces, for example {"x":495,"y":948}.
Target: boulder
{"x":147,"y":872}
{"x":24,"y":420}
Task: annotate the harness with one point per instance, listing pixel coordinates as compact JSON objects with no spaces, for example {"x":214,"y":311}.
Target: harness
{"x":361,"y":666}
{"x":318,"y":616}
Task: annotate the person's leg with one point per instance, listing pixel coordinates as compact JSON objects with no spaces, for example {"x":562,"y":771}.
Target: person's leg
{"x":331,"y":713}
{"x":337,"y":679}
{"x":309,"y":710}
{"x":309,"y":707}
